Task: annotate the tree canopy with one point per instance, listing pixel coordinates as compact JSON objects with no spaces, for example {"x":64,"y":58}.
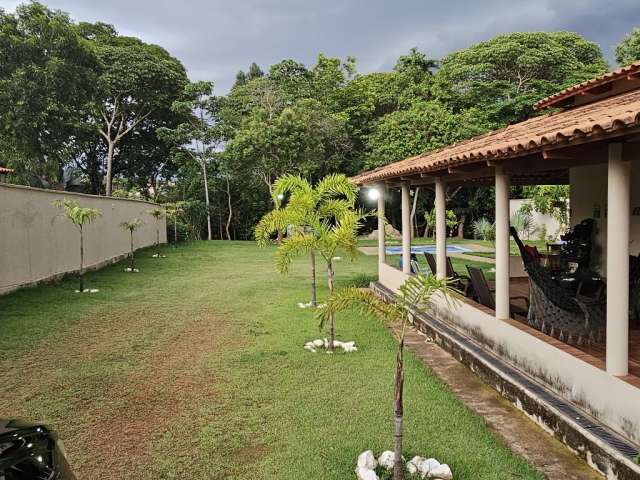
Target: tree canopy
{"x":628,"y":50}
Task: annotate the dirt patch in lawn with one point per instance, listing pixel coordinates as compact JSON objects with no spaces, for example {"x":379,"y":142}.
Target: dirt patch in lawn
{"x":114,"y":384}
{"x":171,"y":382}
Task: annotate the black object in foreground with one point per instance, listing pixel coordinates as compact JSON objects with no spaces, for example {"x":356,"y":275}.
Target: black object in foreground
{"x":31,"y":451}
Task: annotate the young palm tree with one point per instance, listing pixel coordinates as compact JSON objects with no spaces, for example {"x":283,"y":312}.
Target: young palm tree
{"x":157,"y":214}
{"x":174,"y":210}
{"x":310,"y":214}
{"x":132,"y":226}
{"x":79,"y":216}
{"x":413,"y":298}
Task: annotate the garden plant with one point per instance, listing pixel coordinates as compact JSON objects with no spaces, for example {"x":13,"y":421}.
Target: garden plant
{"x":132,"y":226}
{"x":319,"y":220}
{"x":157,"y":214}
{"x":79,"y":216}
{"x":414,"y":297}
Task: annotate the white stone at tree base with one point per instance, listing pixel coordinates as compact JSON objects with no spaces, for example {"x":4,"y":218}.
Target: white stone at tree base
{"x":366,"y":474}
{"x":427,"y":466}
{"x":347,"y":347}
{"x":367,"y":460}
{"x":88,"y":290}
{"x":387,"y":459}
{"x":441,"y":472}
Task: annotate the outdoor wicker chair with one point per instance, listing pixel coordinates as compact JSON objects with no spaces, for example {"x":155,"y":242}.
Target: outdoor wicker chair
{"x":554,"y":311}
{"x":486,"y":295}
{"x":457,"y":281}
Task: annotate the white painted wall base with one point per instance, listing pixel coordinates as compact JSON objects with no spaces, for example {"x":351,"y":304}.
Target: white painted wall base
{"x":611,"y":400}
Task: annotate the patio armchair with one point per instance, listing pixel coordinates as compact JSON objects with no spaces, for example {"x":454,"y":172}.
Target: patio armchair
{"x":457,"y":281}
{"x":486,"y":295}
{"x":555,"y":311}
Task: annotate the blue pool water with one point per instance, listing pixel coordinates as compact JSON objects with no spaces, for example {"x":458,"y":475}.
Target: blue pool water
{"x":427,"y":249}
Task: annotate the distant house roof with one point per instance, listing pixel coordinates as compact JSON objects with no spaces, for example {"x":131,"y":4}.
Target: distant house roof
{"x":608,"y":117}
{"x":6,"y":170}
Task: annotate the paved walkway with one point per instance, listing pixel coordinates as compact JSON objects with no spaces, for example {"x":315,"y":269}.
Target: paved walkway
{"x":519,"y":433}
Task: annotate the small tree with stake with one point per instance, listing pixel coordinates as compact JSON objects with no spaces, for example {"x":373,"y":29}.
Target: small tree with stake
{"x":79,"y":216}
{"x":157,"y":214}
{"x":132,"y":226}
{"x":414,"y":297}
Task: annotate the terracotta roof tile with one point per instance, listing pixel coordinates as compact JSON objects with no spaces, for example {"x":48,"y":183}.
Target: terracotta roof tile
{"x":576,"y":125}
{"x":619,"y":74}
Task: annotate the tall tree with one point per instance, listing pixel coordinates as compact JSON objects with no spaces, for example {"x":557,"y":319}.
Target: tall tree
{"x":506,"y":75}
{"x":137,"y":82}
{"x":198,"y":137}
{"x":628,"y":50}
{"x":47,"y":78}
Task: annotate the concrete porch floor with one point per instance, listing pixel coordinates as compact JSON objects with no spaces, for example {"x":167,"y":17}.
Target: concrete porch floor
{"x":593,"y":354}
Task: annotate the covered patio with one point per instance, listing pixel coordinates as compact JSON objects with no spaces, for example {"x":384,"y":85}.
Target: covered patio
{"x":590,"y":139}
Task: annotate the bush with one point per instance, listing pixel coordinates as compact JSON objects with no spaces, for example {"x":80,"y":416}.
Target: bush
{"x":484,"y":229}
{"x":361,"y":281}
{"x":522,"y":221}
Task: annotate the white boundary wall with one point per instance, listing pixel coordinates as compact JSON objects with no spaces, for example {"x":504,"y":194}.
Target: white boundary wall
{"x":37,"y":243}
{"x":610,"y":399}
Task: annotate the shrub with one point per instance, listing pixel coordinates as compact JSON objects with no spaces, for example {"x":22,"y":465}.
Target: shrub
{"x":522,"y":221}
{"x":484,"y":229}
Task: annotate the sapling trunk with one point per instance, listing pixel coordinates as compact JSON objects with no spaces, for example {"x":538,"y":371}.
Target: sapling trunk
{"x":314,"y":296}
{"x":158,"y":241}
{"x":398,"y":472}
{"x":132,"y":258}
{"x":332,"y":334}
{"x":175,"y":230}
{"x":81,"y":260}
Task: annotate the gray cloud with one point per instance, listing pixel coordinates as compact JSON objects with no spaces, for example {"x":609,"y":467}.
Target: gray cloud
{"x":216,"y":38}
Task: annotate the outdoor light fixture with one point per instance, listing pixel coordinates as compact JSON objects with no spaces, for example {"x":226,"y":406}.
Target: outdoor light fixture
{"x":280,"y":196}
{"x":373,"y":194}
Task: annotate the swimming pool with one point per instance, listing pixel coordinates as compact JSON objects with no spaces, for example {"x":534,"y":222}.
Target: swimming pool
{"x":426,"y":249}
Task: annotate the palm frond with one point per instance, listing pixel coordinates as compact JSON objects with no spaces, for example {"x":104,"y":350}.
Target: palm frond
{"x":76,"y":214}
{"x":157,"y":213}
{"x":359,"y":299}
{"x":275,"y":221}
{"x":132,"y":225}
{"x":337,"y":185}
{"x":300,"y":243}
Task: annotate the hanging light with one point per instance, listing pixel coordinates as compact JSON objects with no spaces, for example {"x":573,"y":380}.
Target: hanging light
{"x":373,"y":194}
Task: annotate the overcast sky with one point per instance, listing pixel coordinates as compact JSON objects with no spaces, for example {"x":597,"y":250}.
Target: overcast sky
{"x":216,"y":38}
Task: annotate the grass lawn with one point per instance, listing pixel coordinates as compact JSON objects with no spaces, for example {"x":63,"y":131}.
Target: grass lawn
{"x":194,"y":368}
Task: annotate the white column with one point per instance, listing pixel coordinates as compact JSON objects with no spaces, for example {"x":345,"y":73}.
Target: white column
{"x":502,"y":243}
{"x":618,"y":215}
{"x":406,"y":227}
{"x":441,"y":229}
{"x":381,"y":224}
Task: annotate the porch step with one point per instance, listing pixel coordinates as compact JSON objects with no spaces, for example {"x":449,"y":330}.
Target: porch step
{"x":603,"y":449}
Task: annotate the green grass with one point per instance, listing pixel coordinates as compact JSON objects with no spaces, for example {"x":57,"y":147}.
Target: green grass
{"x":252,"y":401}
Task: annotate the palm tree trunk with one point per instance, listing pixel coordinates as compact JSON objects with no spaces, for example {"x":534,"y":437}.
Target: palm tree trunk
{"x":175,"y":229}
{"x":81,"y":260}
{"x":332,"y":333}
{"x":398,"y":472}
{"x":132,"y":260}
{"x":314,"y":296}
